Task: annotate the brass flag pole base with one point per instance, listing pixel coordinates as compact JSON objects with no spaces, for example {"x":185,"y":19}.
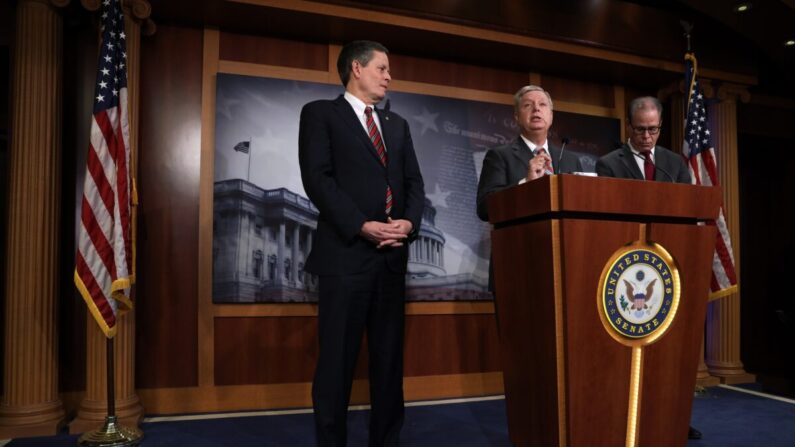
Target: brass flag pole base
{"x":112,"y":434}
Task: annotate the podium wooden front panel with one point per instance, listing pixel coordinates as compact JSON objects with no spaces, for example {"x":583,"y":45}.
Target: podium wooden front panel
{"x":670,"y":375}
{"x":527,"y":331}
{"x":567,"y":380}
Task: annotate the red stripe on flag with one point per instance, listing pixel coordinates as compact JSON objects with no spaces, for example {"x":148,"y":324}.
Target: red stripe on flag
{"x":108,"y":132}
{"x":98,"y":239}
{"x":710,"y":164}
{"x":94,"y":166}
{"x":97,"y":297}
{"x":725,"y":259}
{"x":694,"y":170}
{"x":122,"y":188}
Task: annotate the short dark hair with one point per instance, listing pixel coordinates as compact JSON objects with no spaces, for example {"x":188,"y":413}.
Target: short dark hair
{"x":358,"y":50}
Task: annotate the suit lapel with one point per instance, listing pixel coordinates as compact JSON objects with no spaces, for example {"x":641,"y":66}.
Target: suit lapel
{"x":388,"y":130}
{"x":522,"y":152}
{"x":629,"y":162}
{"x":349,"y":116}
{"x":554,"y":154}
{"x":663,"y":163}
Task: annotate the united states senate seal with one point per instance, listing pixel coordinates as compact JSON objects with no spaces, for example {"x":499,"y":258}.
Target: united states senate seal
{"x":638,"y":293}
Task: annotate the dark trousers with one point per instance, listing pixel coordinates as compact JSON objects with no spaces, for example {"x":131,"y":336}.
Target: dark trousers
{"x":348,"y":305}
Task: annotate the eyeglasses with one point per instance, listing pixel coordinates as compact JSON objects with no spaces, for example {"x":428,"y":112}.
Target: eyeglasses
{"x":653,"y":130}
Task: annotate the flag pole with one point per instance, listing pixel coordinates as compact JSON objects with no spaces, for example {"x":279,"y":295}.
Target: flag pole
{"x":111,"y":379}
{"x":248,"y":174}
{"x":688,"y":27}
{"x":112,"y":434}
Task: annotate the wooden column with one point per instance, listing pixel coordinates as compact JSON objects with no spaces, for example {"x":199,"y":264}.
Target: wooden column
{"x":723,"y":315}
{"x":703,"y":377}
{"x":94,"y":406}
{"x":30,"y":404}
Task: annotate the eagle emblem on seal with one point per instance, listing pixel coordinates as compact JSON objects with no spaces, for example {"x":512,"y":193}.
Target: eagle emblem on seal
{"x":638,"y":300}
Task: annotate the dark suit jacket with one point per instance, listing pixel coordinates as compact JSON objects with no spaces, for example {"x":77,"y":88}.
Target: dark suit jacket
{"x":620,"y":163}
{"x":504,"y":166}
{"x":344,"y":178}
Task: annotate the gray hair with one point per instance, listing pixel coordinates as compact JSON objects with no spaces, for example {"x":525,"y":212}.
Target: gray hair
{"x":643,"y":103}
{"x":517,"y":97}
{"x":358,"y":50}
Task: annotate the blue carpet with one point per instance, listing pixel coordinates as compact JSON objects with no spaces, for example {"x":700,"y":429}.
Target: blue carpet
{"x":730,"y":418}
{"x":726,"y":417}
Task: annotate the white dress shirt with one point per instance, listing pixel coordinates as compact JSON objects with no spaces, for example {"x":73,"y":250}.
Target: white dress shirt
{"x":358,"y":108}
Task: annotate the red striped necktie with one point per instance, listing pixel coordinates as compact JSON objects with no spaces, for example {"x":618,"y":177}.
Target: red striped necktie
{"x":378,"y":143}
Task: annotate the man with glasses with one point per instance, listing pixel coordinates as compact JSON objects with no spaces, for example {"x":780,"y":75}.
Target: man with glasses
{"x":640,"y":158}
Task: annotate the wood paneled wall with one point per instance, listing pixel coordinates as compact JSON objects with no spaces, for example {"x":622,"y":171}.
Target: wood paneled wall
{"x":252,"y":350}
{"x":273,"y":51}
{"x":168,"y":231}
{"x":193,"y":355}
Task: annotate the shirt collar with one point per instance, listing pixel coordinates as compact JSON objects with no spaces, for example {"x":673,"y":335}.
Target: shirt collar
{"x":532,"y":145}
{"x":635,"y":151}
{"x":357,"y":104}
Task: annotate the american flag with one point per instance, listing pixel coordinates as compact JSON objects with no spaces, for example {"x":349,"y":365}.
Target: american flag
{"x":243,"y":146}
{"x":104,"y":260}
{"x":704,"y":171}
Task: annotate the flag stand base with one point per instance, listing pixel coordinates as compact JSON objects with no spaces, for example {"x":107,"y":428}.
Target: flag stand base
{"x":111,"y":434}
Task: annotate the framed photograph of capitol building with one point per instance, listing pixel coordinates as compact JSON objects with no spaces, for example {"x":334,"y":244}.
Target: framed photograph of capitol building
{"x":263,"y":222}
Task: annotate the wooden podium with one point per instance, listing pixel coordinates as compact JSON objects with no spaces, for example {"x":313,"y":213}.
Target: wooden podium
{"x":568,"y":381}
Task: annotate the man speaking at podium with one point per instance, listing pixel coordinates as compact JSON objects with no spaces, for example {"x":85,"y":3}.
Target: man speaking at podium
{"x":641,"y":159}
{"x":528,"y":157}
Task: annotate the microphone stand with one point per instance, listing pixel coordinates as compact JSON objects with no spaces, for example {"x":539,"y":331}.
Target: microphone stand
{"x":655,"y":167}
{"x":565,"y":141}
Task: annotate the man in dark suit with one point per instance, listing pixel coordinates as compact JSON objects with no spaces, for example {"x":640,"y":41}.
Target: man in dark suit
{"x":641,"y":159}
{"x":528,"y":157}
{"x":359,"y":168}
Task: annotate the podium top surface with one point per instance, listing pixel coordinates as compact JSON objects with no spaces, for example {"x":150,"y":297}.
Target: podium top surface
{"x":558,"y":196}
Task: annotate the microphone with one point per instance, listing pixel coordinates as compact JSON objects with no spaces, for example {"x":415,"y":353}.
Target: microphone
{"x":655,"y":166}
{"x":386,"y":109}
{"x":564,"y":142}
